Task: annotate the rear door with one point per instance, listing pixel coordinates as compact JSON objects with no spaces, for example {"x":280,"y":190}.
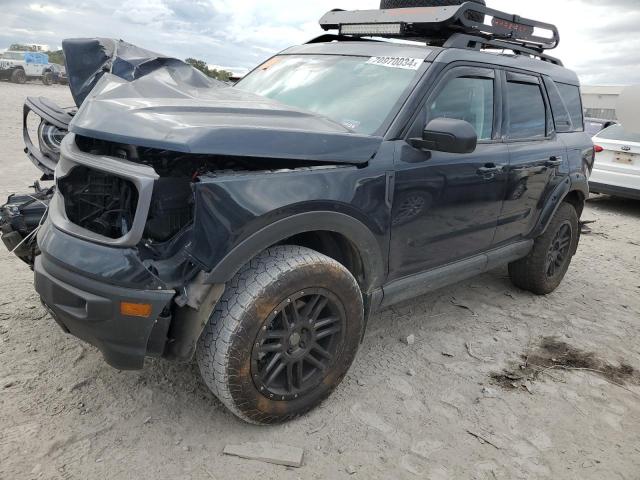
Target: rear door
{"x":536,"y":155}
{"x":618,"y":164}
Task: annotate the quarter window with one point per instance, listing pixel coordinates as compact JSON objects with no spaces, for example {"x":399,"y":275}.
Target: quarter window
{"x":469,"y":99}
{"x":527,"y":113}
{"x":571,"y":96}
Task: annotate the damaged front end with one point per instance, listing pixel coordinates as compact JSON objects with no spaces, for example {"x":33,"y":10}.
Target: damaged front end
{"x":161,"y":174}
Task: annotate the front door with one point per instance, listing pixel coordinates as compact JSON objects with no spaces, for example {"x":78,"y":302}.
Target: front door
{"x":446,"y":206}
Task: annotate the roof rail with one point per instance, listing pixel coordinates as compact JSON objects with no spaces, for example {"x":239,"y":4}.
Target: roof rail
{"x":437,"y":24}
{"x":461,"y":40}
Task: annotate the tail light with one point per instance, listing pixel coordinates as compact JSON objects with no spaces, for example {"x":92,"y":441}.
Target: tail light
{"x":597,"y":149}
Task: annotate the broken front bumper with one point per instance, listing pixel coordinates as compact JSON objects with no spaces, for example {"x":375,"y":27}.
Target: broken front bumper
{"x":89,"y":307}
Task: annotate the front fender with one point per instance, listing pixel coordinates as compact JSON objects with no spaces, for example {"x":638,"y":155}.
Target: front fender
{"x":351,"y":228}
{"x":239,"y":215}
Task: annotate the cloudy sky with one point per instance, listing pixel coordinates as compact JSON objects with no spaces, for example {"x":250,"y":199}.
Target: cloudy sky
{"x":600,"y":39}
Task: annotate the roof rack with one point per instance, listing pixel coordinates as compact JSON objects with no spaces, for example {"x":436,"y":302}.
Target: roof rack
{"x":474,"y":42}
{"x":438,"y":24}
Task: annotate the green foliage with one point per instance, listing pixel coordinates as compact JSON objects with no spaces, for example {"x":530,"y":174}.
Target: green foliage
{"x":201,"y":65}
{"x":56,"y":56}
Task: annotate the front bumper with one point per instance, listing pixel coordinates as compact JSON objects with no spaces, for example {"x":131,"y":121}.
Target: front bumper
{"x":89,"y":308}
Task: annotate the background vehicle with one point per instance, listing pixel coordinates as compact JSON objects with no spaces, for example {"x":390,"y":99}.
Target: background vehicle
{"x":18,"y":67}
{"x":258,"y":226}
{"x":59,"y":74}
{"x":595,"y":125}
{"x":616,"y":170}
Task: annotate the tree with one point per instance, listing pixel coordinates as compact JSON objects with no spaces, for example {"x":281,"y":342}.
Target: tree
{"x":56,"y":56}
{"x":201,"y":65}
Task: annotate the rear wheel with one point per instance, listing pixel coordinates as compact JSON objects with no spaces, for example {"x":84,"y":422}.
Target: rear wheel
{"x":283,"y":335}
{"x":546,"y":265}
{"x":18,"y":76}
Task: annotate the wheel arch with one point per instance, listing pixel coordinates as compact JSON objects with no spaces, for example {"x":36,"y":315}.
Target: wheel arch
{"x":574,"y":193}
{"x":337,"y":235}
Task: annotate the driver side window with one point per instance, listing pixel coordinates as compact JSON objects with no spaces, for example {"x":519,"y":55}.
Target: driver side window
{"x":466,"y":98}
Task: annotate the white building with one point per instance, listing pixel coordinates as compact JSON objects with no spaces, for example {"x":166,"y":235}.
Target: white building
{"x":600,"y":101}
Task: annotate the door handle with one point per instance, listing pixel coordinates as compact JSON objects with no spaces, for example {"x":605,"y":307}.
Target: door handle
{"x":490,"y":169}
{"x":553,"y":162}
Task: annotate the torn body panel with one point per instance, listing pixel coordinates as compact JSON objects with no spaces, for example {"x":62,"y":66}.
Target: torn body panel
{"x":89,"y":59}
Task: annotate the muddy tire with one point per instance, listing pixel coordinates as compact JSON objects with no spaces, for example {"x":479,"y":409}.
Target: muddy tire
{"x":283,"y":335}
{"x":544,"y":268}
{"x":47,"y":78}
{"x":18,"y":76}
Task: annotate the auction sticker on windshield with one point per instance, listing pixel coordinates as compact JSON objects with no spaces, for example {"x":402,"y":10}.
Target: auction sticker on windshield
{"x":406,"y":63}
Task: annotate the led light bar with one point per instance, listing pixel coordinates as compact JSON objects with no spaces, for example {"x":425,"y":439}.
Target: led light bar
{"x":371,"y":29}
{"x":441,"y":23}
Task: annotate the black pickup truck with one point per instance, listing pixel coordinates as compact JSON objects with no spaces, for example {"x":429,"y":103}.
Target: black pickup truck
{"x":258,"y":226}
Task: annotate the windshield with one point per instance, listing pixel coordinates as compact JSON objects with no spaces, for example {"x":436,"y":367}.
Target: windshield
{"x":616,"y":132}
{"x":357,"y":92}
{"x":13,"y":55}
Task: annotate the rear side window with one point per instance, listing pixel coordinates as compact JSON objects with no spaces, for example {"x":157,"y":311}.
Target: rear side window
{"x":571,"y":96}
{"x":527,"y":112}
{"x":469,"y":99}
{"x":561,"y":116}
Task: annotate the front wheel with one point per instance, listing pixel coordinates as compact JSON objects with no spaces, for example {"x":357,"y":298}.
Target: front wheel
{"x":544,"y":268}
{"x":47,"y":78}
{"x":283,"y":335}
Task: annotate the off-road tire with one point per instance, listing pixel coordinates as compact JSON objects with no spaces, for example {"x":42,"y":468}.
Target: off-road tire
{"x":18,"y":76}
{"x":384,"y":4}
{"x":47,"y":78}
{"x":225,"y":351}
{"x":532,"y":272}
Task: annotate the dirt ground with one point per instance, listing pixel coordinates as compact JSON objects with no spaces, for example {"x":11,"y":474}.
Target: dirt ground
{"x":453,"y":405}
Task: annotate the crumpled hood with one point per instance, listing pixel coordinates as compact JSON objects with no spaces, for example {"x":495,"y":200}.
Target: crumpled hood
{"x":161,"y":111}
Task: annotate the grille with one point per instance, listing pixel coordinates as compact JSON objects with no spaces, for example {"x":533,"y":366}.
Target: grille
{"x":99,"y":202}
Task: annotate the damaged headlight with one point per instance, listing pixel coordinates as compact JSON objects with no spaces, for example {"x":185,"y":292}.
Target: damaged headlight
{"x":50,"y":137}
{"x":53,"y":125}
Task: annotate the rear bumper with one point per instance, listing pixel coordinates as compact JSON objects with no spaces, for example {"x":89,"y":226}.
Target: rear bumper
{"x":596,"y":187}
{"x":90,"y":310}
{"x":611,"y":181}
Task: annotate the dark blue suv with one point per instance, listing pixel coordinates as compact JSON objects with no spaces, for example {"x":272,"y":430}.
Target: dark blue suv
{"x":258,"y":226}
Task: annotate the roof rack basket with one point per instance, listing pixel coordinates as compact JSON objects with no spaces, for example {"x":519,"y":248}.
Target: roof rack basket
{"x":469,"y":25}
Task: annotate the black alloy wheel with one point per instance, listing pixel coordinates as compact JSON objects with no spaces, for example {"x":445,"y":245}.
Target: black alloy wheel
{"x":559,"y":249}
{"x":298,"y":344}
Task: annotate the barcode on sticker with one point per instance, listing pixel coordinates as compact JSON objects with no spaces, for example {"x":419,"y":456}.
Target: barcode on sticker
{"x":406,"y":63}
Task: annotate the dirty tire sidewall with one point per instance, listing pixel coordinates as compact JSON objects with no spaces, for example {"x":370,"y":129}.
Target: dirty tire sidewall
{"x":18,"y":76}
{"x":530,"y":272}
{"x":47,"y":78}
{"x":225,"y":347}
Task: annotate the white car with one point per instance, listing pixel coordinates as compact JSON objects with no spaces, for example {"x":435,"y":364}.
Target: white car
{"x":616,"y":170}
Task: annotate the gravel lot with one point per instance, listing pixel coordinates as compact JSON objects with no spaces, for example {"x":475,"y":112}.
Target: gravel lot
{"x":428,"y":410}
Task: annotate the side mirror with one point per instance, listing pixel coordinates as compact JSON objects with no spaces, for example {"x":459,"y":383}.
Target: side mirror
{"x":447,"y":135}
